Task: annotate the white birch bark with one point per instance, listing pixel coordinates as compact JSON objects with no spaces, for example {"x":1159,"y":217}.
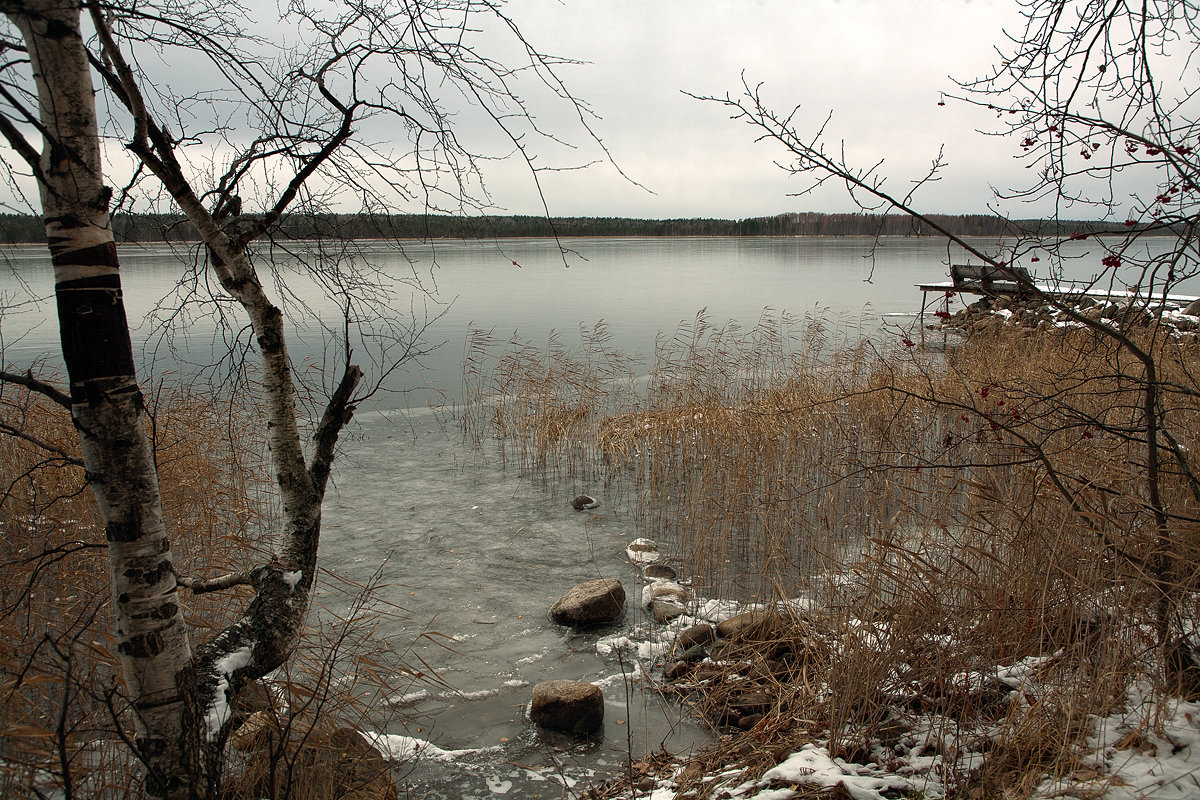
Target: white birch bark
{"x":107,"y":403}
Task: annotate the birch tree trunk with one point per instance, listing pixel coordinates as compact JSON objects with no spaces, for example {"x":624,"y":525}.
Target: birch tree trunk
{"x":107,"y":406}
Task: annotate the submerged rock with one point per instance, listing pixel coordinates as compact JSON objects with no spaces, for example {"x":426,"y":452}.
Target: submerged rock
{"x":584,"y":502}
{"x":568,"y":706}
{"x":590,"y":603}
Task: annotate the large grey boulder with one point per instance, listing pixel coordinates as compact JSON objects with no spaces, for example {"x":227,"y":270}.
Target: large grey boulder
{"x":568,"y":706}
{"x":590,"y":603}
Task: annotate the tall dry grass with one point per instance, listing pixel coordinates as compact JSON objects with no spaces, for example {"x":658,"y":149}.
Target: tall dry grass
{"x":947,"y":512}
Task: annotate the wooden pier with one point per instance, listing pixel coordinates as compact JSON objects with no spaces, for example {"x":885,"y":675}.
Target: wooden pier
{"x":989,"y":281}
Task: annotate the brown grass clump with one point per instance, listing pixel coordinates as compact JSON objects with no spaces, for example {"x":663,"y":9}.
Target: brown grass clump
{"x":950,"y":516}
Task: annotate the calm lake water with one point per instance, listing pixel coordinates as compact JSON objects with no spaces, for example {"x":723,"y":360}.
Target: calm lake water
{"x":639,"y":287}
{"x":466,"y":549}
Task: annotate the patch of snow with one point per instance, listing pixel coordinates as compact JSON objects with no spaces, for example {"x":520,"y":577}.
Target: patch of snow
{"x":408,"y":698}
{"x":292,"y":578}
{"x":611,"y":644}
{"x":1132,"y":758}
{"x":498,"y":786}
{"x":533,"y":658}
{"x":721,"y":610}
{"x":796,"y":604}
{"x":219,"y":712}
{"x":397,"y":747}
{"x":481,"y":694}
{"x":812,"y":765}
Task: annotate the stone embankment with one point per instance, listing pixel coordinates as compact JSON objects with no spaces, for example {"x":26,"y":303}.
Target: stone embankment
{"x":990,"y":315}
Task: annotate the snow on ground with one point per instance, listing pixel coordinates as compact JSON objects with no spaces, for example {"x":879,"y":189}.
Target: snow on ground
{"x":1129,"y":756}
{"x":1132,"y":758}
{"x":397,"y":747}
{"x":1140,"y":752}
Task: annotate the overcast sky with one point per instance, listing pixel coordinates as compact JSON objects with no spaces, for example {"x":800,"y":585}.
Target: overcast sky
{"x":878,"y":65}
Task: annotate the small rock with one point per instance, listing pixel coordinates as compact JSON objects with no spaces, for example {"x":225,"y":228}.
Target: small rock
{"x":664,"y":590}
{"x":584,"y":502}
{"x":693,"y":654}
{"x":710,"y":670}
{"x":753,"y":625}
{"x":894,"y":727}
{"x":254,"y":696}
{"x":697,"y":634}
{"x":677,"y":670}
{"x":590,"y":603}
{"x":660,"y":572}
{"x":747,"y":703}
{"x":663,"y":611}
{"x":568,"y":706}
{"x":255,"y":731}
{"x":642,"y":551}
{"x":748,"y":722}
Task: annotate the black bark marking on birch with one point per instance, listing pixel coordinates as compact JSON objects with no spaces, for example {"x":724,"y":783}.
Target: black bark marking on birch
{"x":150,"y":746}
{"x":57,"y":29}
{"x":270,"y":340}
{"x":165,"y":611}
{"x":142,"y":645}
{"x":67,"y":221}
{"x":123,"y":530}
{"x":94,"y":329}
{"x":148,"y":576}
{"x":97,"y":255}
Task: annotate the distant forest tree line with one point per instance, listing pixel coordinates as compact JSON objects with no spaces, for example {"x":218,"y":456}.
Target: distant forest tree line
{"x":20,"y":228}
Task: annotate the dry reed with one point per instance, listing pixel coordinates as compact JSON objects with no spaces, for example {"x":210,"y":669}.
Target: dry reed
{"x":947,"y":513}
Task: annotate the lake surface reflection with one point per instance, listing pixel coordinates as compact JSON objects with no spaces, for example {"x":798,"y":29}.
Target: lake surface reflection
{"x":640,"y":287}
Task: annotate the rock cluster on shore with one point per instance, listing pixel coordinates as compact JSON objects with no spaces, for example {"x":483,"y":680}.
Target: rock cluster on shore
{"x":992,"y":314}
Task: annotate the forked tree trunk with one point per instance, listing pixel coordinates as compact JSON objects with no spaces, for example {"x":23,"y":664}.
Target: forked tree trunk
{"x":182,"y":704}
{"x":107,"y":405}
